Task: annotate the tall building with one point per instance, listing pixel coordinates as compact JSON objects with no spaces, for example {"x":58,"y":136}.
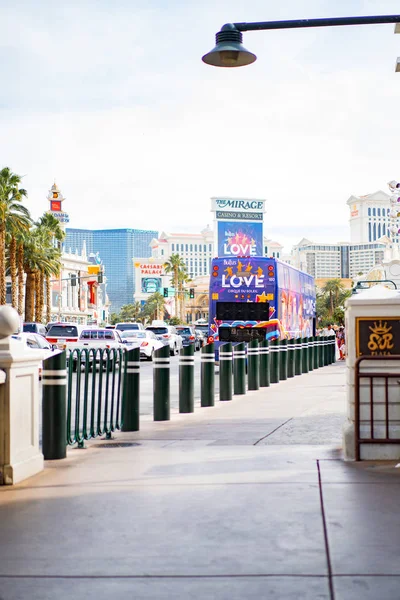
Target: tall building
{"x":272,"y":249}
{"x":116,"y":247}
{"x":195,"y":249}
{"x":369,"y":217}
{"x":337,"y":261}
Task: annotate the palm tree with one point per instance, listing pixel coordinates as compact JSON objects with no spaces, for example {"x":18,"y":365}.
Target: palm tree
{"x":17,"y":227}
{"x":155,"y":305}
{"x":41,"y":261}
{"x":129,"y":312}
{"x":11,"y":210}
{"x":333,"y":289}
{"x":183,"y":279}
{"x":52,"y":233}
{"x":175,"y":266}
{"x":21,"y":276}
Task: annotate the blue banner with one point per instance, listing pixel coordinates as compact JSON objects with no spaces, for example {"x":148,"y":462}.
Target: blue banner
{"x":237,"y":238}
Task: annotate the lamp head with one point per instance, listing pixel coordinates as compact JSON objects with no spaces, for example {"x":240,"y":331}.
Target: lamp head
{"x":229,"y":50}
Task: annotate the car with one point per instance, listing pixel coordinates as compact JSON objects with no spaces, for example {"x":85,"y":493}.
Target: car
{"x":145,"y":340}
{"x":201,"y":336}
{"x":188,"y":335}
{"x":168,"y":335}
{"x":35,"y":328}
{"x":94,"y":338}
{"x":61,"y":333}
{"x":125,"y":326}
{"x":36,"y":341}
{"x":203,"y":327}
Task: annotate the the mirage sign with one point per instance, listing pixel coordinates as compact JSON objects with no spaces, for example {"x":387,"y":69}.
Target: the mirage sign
{"x":247,"y":205}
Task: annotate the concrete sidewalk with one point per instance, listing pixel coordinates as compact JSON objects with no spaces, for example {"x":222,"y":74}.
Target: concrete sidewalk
{"x":248,"y":499}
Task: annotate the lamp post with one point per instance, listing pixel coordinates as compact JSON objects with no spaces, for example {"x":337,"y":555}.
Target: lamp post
{"x":230,"y":52}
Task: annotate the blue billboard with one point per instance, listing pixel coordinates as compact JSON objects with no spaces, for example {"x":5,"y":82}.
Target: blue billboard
{"x":237,"y":238}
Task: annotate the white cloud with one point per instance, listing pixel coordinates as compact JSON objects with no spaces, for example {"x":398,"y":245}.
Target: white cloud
{"x":113,"y":101}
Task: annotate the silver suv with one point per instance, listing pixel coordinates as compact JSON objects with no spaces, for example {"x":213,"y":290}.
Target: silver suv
{"x":168,"y":335}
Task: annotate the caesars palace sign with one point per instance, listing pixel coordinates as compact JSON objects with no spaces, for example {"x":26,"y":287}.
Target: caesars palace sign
{"x":149,"y":269}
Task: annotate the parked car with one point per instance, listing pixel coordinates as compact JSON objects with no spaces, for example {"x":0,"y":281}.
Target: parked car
{"x":34,"y":328}
{"x":61,"y":333}
{"x":201,"y":337}
{"x":188,"y":335}
{"x":36,"y":341}
{"x":168,"y":335}
{"x":145,"y":340}
{"x":125,"y":326}
{"x":94,"y":338}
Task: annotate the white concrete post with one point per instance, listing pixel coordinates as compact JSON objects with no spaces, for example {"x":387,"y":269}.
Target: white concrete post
{"x":379,"y":308}
{"x":20,"y":456}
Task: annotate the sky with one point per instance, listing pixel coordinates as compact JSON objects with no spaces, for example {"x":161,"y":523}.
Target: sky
{"x":112,"y":101}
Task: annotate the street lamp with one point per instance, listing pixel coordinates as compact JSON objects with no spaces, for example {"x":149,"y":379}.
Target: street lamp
{"x":230,"y":52}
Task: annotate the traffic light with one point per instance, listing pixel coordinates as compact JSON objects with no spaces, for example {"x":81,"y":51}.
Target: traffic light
{"x":165,"y":292}
{"x":191,"y":292}
{"x":100,"y":277}
{"x":73,"y":280}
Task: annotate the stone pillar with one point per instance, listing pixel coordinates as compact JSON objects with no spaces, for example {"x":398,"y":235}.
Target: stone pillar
{"x":20,"y":456}
{"x":374,"y":309}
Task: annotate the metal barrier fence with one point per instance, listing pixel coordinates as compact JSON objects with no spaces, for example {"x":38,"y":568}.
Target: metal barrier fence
{"x":103,"y":396}
{"x":94,"y":401}
{"x":377,"y":406}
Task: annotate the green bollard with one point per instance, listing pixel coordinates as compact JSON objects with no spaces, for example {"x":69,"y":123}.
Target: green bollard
{"x":310,"y":341}
{"x":315,"y":353}
{"x":274,"y":361}
{"x":225,"y":371}
{"x":161,"y":377}
{"x":253,"y":366}
{"x":326,"y":351}
{"x":304,"y":355}
{"x":290,"y":357}
{"x":333,"y":349}
{"x":239,"y":368}
{"x":283,"y":360}
{"x":298,"y":353}
{"x":321,"y":351}
{"x":263,"y":350}
{"x":186,"y":379}
{"x":207,"y":375}
{"x":131,"y":391}
{"x":54,"y":407}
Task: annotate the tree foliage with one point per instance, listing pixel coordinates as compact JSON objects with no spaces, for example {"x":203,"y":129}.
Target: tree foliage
{"x":330,"y":302}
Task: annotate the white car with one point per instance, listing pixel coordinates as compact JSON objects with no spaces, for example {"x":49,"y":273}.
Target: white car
{"x":145,"y":340}
{"x":169,"y":336}
{"x":92,"y":340}
{"x":36,"y":341}
{"x":126,"y":326}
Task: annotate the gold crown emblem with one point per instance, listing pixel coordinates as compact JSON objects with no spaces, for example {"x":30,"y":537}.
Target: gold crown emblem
{"x":380,"y":328}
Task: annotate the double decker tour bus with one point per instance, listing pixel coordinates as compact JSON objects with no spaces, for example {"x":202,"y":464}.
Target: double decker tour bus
{"x":259,"y":298}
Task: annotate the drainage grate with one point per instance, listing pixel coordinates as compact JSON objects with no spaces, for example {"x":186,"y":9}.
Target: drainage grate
{"x":117,"y":445}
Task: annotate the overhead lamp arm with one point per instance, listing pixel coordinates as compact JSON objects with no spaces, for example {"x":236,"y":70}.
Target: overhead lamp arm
{"x":328,"y":22}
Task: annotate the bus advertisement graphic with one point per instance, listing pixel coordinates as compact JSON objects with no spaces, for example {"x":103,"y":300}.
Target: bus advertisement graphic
{"x":236,"y":238}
